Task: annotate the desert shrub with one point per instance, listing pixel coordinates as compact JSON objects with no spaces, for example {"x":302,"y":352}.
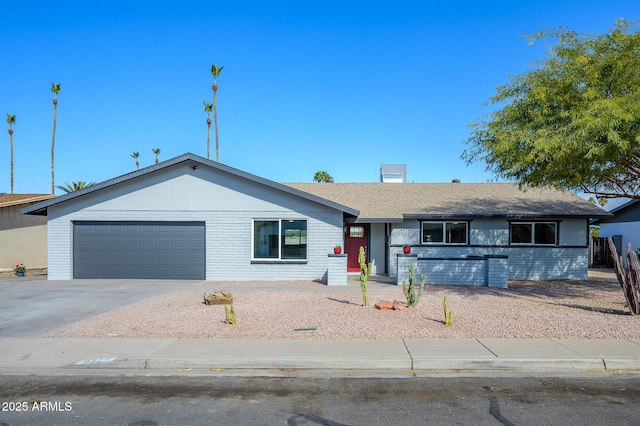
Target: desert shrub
{"x":230,"y":314}
{"x":447,"y":312}
{"x":364,"y":274}
{"x":413,"y":291}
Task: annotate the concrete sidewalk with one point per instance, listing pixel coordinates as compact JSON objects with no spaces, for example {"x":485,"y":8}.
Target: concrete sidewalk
{"x":397,"y":357}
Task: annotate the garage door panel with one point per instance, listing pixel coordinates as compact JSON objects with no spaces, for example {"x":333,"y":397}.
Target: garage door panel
{"x":148,"y":243}
{"x":116,"y":242}
{"x":183,"y":257}
{"x":83,"y":242}
{"x":114,"y":257}
{"x":182,"y":243}
{"x":115,"y":270}
{"x":152,"y":250}
{"x":148,"y":257}
{"x":112,"y":227}
{"x":165,"y":243}
{"x":99,"y":242}
{"x":100,"y":258}
{"x":100,"y":270}
{"x":130,"y":242}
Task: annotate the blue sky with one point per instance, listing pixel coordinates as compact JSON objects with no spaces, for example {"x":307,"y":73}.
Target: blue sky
{"x":342,"y":86}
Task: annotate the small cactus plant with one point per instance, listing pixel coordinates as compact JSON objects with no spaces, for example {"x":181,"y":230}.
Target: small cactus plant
{"x":364,"y":274}
{"x":230,"y":314}
{"x":447,"y":312}
{"x":413,"y":291}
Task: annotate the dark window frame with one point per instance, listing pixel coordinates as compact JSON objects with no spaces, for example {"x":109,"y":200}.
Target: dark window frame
{"x":444,"y":224}
{"x":534,"y":239}
{"x":282,"y":242}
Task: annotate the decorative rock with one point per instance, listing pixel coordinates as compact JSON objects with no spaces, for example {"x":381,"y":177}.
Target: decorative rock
{"x":398,"y":306}
{"x":218,"y":297}
{"x":384,"y":305}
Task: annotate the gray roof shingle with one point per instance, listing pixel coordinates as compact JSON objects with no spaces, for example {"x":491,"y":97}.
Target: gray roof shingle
{"x":396,"y":201}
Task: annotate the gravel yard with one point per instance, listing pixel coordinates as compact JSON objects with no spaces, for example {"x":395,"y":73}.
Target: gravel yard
{"x":591,"y":309}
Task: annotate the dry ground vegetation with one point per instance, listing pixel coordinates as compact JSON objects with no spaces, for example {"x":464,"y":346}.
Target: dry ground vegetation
{"x":585,"y":309}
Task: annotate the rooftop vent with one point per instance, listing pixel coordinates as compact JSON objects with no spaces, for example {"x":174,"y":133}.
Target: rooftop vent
{"x":394,"y":173}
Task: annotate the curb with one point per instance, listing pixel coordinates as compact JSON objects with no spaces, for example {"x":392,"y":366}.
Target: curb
{"x":569,"y":365}
{"x":513,"y":364}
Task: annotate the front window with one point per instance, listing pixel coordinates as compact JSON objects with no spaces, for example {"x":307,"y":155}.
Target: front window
{"x":444,"y":232}
{"x":543,"y":233}
{"x":280,"y":239}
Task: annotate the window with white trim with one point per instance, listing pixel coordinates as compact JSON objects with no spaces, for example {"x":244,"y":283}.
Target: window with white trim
{"x":539,"y":233}
{"x":283,"y":239}
{"x":444,"y":232}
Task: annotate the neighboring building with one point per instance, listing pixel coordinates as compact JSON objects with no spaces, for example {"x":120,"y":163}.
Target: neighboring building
{"x":624,"y":224}
{"x":23,"y":238}
{"x":189,"y":217}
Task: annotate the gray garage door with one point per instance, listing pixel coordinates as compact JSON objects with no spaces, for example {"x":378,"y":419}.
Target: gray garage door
{"x":143,"y":250}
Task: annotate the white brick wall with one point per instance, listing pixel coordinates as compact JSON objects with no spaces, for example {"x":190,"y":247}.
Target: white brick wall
{"x":337,"y":273}
{"x":228,"y":241}
{"x":525,"y":263}
{"x":490,"y":271}
{"x":490,"y":237}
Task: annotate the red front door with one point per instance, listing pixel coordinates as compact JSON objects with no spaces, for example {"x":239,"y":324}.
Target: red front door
{"x":357,"y":236}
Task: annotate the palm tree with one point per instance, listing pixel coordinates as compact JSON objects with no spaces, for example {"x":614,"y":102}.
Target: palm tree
{"x":322,"y":176}
{"x":207,"y":109}
{"x":55,"y":89}
{"x":74,"y":186}
{"x":135,"y":156}
{"x":11,"y":120}
{"x":215,"y":72}
{"x":156,"y":151}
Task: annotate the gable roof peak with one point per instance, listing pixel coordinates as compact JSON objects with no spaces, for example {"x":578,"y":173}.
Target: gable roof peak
{"x":41,"y":207}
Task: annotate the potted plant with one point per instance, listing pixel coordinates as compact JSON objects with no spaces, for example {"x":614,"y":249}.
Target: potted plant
{"x":406,"y":249}
{"x":20,"y":270}
{"x":337,"y":249}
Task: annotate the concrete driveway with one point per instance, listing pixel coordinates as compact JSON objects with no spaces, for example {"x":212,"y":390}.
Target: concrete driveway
{"x":33,"y":305}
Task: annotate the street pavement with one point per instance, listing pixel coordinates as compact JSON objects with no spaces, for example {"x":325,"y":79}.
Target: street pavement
{"x":22,"y":353}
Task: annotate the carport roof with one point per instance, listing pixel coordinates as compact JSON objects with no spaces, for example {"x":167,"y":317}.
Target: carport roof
{"x":192,"y":161}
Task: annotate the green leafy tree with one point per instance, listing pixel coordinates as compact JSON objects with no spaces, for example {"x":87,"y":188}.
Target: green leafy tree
{"x":215,"y":73}
{"x":55,"y":89}
{"x":323,"y":177}
{"x":573,"y":121}
{"x":11,"y":120}
{"x":156,"y":151}
{"x":207,"y":108}
{"x":74,"y":186}
{"x":602,"y":201}
{"x":135,"y":156}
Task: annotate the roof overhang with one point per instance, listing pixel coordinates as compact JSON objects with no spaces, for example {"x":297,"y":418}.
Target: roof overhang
{"x":503,"y":216}
{"x":28,"y":199}
{"x":192,"y":161}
